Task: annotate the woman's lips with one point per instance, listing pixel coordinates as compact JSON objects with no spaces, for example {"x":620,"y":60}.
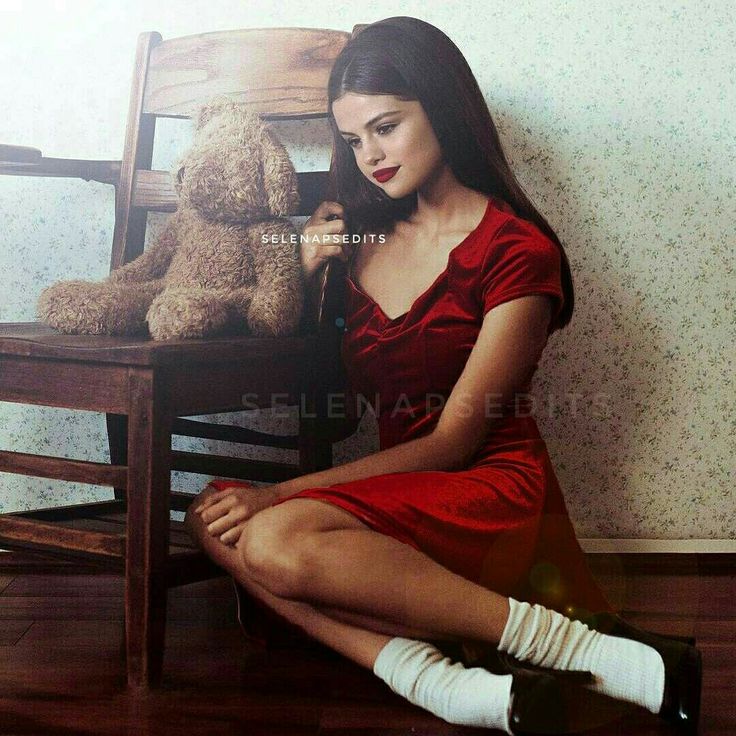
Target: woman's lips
{"x":385,"y":174}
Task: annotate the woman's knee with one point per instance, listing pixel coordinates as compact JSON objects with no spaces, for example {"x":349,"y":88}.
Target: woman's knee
{"x":270,"y":555}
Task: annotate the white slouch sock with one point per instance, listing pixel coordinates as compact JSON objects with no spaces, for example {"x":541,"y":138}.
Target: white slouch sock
{"x":622,"y":668}
{"x":423,"y":675}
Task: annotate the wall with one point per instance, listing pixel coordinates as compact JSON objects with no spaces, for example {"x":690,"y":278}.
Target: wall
{"x":618,"y":121}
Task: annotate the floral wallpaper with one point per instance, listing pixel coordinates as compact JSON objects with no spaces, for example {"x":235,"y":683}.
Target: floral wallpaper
{"x":617,"y":119}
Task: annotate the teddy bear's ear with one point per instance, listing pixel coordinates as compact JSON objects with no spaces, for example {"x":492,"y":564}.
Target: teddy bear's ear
{"x":279,"y":176}
{"x":213,"y":107}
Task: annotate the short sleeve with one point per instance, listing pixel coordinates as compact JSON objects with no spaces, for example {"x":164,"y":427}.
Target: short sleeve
{"x":521,"y":260}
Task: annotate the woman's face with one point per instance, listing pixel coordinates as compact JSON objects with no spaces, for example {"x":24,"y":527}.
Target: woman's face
{"x":386,"y":132}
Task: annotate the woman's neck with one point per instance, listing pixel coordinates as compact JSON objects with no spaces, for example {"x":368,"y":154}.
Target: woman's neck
{"x":443,"y":201}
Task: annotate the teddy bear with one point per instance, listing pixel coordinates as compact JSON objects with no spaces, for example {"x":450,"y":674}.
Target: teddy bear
{"x":226,"y":262}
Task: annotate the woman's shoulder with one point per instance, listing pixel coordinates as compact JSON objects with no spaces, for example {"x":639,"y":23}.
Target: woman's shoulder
{"x":509,"y":248}
{"x":508,"y":227}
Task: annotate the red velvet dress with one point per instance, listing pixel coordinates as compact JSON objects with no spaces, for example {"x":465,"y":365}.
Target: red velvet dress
{"x":501,"y":521}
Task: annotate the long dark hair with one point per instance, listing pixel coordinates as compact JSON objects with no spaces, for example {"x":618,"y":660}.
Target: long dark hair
{"x":413,"y":60}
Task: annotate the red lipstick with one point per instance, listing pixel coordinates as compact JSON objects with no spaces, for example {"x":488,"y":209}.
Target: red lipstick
{"x":385,"y":174}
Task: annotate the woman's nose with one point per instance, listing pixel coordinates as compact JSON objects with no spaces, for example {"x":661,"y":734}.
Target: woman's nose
{"x":372,"y":153}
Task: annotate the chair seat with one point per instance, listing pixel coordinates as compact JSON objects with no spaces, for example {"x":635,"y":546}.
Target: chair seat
{"x":105,"y":523}
{"x":37,"y":340}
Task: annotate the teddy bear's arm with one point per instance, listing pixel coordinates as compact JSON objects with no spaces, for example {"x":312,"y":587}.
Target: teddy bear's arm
{"x":278,"y":296}
{"x":154,"y":261}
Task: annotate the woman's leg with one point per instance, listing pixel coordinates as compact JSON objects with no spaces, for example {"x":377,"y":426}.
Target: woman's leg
{"x":415,"y":669}
{"x":316,"y":553}
{"x":299,"y":552}
{"x":356,"y":637}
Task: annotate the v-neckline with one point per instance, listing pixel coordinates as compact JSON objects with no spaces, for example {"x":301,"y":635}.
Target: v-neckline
{"x":391,"y":320}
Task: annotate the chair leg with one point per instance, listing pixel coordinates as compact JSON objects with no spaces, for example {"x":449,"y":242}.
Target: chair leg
{"x":117,"y":441}
{"x":149,"y":450}
{"x":315,"y":448}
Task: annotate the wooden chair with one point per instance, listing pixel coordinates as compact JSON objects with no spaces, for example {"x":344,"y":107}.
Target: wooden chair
{"x":146,"y":388}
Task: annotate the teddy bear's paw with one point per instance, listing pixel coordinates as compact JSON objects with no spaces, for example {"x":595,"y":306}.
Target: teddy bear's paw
{"x":269,"y":324}
{"x":89,"y":308}
{"x":182,"y":313}
{"x":269,"y":317}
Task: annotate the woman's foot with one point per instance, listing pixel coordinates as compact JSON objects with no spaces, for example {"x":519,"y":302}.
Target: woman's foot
{"x":521,"y":703}
{"x":656,"y":673}
{"x":682,"y":662}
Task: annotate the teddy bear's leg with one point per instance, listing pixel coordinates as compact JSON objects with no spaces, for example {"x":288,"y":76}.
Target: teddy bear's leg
{"x":186,"y":312}
{"x":258,"y":311}
{"x":97,"y":308}
{"x":273,"y":313}
{"x":277,"y":303}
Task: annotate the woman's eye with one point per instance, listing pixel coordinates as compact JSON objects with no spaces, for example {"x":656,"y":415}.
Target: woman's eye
{"x":382,"y":130}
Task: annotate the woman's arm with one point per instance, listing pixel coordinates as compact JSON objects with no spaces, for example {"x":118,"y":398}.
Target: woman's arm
{"x":503,"y":359}
{"x":424,"y":453}
{"x":505,"y":354}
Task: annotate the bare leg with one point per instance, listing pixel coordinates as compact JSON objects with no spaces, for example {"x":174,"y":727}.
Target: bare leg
{"x":359,"y":638}
{"x":374,"y":574}
{"x":318,"y":556}
{"x":362,"y":571}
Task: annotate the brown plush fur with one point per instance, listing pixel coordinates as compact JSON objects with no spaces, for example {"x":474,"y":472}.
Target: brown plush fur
{"x":209,"y":271}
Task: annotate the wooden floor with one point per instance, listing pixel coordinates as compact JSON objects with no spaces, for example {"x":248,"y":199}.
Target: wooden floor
{"x":62,"y":671}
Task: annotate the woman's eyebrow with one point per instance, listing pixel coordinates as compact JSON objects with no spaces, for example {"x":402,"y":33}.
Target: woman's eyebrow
{"x":373,"y":120}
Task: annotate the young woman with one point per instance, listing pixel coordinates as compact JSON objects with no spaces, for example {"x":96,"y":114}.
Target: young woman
{"x":459,"y":517}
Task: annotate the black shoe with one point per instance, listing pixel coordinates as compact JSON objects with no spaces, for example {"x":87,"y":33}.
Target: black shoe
{"x":537,"y":704}
{"x":502,"y":663}
{"x":682,"y":686}
{"x":683,"y":675}
{"x":540,"y":696}
{"x":683,"y":668}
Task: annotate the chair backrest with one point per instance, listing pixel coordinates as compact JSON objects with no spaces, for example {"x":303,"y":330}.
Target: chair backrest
{"x":281,"y":73}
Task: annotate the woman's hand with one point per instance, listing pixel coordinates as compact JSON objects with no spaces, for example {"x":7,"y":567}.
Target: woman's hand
{"x":226,"y":511}
{"x":327,"y":220}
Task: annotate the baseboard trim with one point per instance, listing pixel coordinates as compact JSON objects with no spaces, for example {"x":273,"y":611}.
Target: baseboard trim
{"x":659,"y":546}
